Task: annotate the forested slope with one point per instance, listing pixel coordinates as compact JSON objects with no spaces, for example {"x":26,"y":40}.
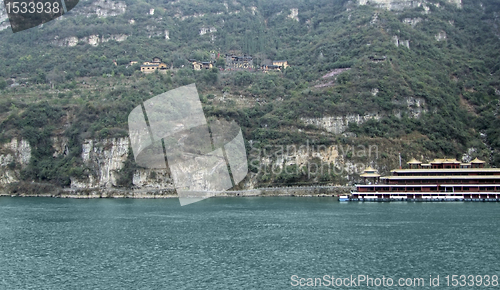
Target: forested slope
{"x":423,"y":81}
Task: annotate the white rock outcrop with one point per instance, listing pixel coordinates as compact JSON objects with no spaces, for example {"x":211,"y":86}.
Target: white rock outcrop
{"x":150,"y":178}
{"x":15,"y":155}
{"x":105,"y":158}
{"x":4,"y":19}
{"x":412,"y":21}
{"x":102,"y":8}
{"x":339,"y":124}
{"x":441,"y":36}
{"x":205,"y":30}
{"x":60,"y":145}
{"x":403,"y":4}
{"x":414,"y":107}
{"x":294,"y":14}
{"x":93,"y":40}
{"x":399,"y":42}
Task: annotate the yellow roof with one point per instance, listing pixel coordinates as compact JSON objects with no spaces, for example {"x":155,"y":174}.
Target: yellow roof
{"x":443,"y":177}
{"x":413,"y":161}
{"x":370,"y":169}
{"x":477,"y":161}
{"x":370,"y":175}
{"x":471,"y":170}
{"x":370,"y":172}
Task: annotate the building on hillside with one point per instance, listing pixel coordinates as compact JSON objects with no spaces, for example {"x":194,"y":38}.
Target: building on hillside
{"x":275,"y":65}
{"x":270,"y":67}
{"x":239,"y":62}
{"x":283,"y":64}
{"x":199,"y":65}
{"x":207,"y":65}
{"x":151,"y":66}
{"x":377,"y":59}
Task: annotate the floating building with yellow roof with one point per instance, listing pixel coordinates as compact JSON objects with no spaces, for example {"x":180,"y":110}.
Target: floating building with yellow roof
{"x":438,"y":180}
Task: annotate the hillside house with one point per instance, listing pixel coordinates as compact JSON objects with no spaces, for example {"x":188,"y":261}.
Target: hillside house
{"x":197,"y":65}
{"x":151,"y":66}
{"x":282,"y":64}
{"x":277,"y":65}
{"x":238,"y":62}
{"x":270,"y":67}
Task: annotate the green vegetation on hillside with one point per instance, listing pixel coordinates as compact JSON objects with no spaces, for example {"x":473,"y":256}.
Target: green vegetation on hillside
{"x":79,"y":91}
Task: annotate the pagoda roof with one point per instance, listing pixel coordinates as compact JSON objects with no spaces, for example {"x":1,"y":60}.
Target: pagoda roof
{"x":413,"y":161}
{"x":454,"y":170}
{"x":370,"y":172}
{"x":369,"y":175}
{"x":443,"y":177}
{"x":477,"y":161}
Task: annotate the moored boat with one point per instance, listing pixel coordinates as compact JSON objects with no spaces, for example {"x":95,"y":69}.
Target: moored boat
{"x":439,"y":180}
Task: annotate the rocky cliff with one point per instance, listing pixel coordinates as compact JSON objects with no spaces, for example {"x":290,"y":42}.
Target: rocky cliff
{"x":4,"y":19}
{"x":106,"y":158}
{"x":403,"y":4}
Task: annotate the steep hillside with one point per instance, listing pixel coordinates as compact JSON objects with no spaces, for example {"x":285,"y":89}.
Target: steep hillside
{"x":416,"y":77}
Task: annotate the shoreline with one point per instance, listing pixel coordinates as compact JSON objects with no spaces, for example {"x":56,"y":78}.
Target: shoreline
{"x":121,"y":196}
{"x":49,"y":190}
{"x":334,"y":192}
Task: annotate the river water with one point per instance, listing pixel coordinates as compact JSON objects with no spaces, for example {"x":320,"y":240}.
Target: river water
{"x":242,"y":243}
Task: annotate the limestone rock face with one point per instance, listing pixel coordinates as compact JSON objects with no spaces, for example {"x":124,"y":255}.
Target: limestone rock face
{"x":412,"y":21}
{"x":15,"y":156}
{"x":93,"y":40}
{"x":402,"y":4}
{"x":205,"y":30}
{"x":399,"y":42}
{"x":339,"y":124}
{"x":414,"y":107}
{"x":60,"y":145}
{"x":4,"y":19}
{"x":441,"y":36}
{"x":294,"y":14}
{"x":150,"y":178}
{"x":69,"y":41}
{"x":105,"y":158}
{"x":102,"y":8}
